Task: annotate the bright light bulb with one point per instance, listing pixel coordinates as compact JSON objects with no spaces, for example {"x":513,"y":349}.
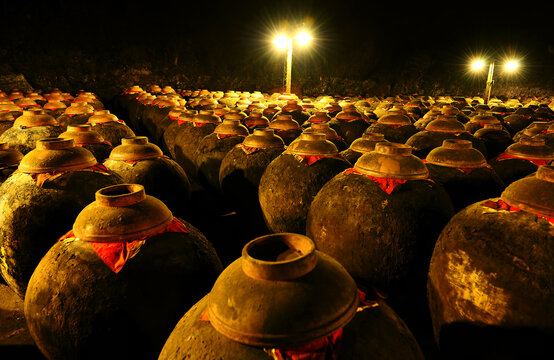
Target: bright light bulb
{"x":303,"y":38}
{"x":511,"y":65}
{"x":477,"y":65}
{"x":280,"y":42}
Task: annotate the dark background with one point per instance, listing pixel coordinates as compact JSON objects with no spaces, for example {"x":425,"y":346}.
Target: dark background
{"x":360,"y":48}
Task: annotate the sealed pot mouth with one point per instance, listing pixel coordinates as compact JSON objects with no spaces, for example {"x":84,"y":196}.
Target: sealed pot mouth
{"x":281,"y":256}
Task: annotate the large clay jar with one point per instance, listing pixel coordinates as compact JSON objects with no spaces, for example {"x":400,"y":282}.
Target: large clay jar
{"x":317,"y":118}
{"x":30,"y":127}
{"x":54,"y":108}
{"x":290,"y":182}
{"x":330,"y":134}
{"x":519,"y":119}
{"x":491,"y":277}
{"x":396,"y":126}
{"x":189,"y":137}
{"x":463,"y":172}
{"x":522,"y":159}
{"x":155,"y":118}
{"x":167,"y":142}
{"x":9,"y":161}
{"x":436,"y":131}
{"x":380,"y":220}
{"x":348,"y":123}
{"x":495,"y":138}
{"x":286,"y":128}
{"x":115,"y":285}
{"x":83,"y":135}
{"x":256,"y":120}
{"x":362,"y":145}
{"x":283,"y":299}
{"x":535,"y":128}
{"x":241,"y":170}
{"x":40,"y":200}
{"x":6,"y":121}
{"x":138,"y":161}
{"x":76,"y":113}
{"x":479,"y":120}
{"x":110,"y":127}
{"x":213,"y":148}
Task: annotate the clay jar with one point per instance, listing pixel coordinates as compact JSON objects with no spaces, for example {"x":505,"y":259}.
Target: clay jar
{"x":249,"y":313}
{"x":491,"y":275}
{"x":290,"y":182}
{"x":255,"y":120}
{"x":241,"y":170}
{"x":442,"y":127}
{"x":285,"y":127}
{"x":120,"y":309}
{"x":522,"y":159}
{"x":167,"y":142}
{"x":6,"y":121}
{"x":54,"y":108}
{"x":330,"y":134}
{"x":84,"y":136}
{"x":9,"y":161}
{"x":479,"y":120}
{"x":110,"y":127}
{"x":30,"y":127}
{"x":213,"y":148}
{"x":348,"y":123}
{"x":138,"y":161}
{"x":155,"y":117}
{"x":189,"y":137}
{"x":316,"y":118}
{"x":396,"y":126}
{"x":495,"y":138}
{"x":362,"y":145}
{"x":380,"y":220}
{"x":76,"y":113}
{"x":53,"y":183}
{"x":463,"y":172}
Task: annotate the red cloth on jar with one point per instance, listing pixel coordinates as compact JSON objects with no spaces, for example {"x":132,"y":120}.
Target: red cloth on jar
{"x":537,"y":162}
{"x":116,"y":254}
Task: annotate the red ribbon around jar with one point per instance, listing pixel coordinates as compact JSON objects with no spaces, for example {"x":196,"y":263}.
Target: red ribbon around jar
{"x":537,"y":162}
{"x":501,"y":205}
{"x":116,"y":254}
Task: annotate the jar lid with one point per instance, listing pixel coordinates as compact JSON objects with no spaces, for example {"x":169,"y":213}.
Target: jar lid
{"x":25,"y":101}
{"x":536,"y":127}
{"x":446,"y":124}
{"x":206,"y":116}
{"x":56,"y":154}
{"x":284,"y":122}
{"x":34,"y":118}
{"x":231,"y":127}
{"x":367,"y":142}
{"x":323,"y":128}
{"x":54,"y":105}
{"x":393,"y":161}
{"x":457,"y":154}
{"x":319,"y":116}
{"x":101,"y":117}
{"x":531,"y":148}
{"x":348,"y":113}
{"x":264,"y":139}
{"x":79,"y":108}
{"x":312,"y":144}
{"x":135,"y":148}
{"x":9,"y":106}
{"x":534,"y":194}
{"x":395,"y":118}
{"x":121,"y":213}
{"x":8,"y":156}
{"x":485,"y":117}
{"x":82,"y":134}
{"x":262,"y":298}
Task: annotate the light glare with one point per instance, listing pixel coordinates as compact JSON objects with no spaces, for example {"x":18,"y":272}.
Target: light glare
{"x":280,"y":42}
{"x":303,"y":38}
{"x":477,"y":65}
{"x":511,"y":65}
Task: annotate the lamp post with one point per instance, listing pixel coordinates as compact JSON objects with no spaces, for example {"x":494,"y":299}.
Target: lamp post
{"x":283,"y":41}
{"x":510,"y":66}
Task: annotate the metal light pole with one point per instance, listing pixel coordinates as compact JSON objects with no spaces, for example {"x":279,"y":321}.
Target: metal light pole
{"x":510,"y":66}
{"x":284,"y":41}
{"x":490,"y":81}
